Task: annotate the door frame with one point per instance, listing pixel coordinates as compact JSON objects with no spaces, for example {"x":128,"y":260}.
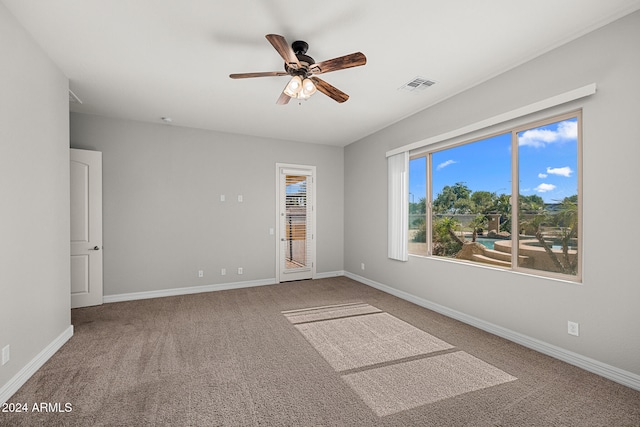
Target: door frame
{"x":312,"y":200}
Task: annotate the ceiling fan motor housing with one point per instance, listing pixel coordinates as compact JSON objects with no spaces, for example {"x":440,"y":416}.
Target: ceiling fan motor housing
{"x":300,"y":49}
{"x":300,"y":46}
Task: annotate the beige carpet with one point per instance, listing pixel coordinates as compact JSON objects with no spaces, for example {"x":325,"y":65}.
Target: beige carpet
{"x":360,"y":336}
{"x":390,"y":389}
{"x":330,"y":312}
{"x":231,"y":358}
{"x":359,"y":341}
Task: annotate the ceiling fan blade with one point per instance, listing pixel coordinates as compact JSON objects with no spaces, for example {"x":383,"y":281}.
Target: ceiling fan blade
{"x":285,"y":51}
{"x":284,"y":99}
{"x":348,"y":61}
{"x":330,"y":90}
{"x":264,"y":74}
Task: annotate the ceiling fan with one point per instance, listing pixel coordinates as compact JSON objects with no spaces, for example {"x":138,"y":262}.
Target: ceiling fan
{"x":302,"y":68}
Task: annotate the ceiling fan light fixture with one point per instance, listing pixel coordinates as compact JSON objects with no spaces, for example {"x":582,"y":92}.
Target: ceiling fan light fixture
{"x":293,"y":87}
{"x":300,"y":66}
{"x":308,"y":89}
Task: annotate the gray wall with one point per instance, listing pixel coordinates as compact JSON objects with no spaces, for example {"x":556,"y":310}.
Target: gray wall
{"x":606,"y":304}
{"x":34,"y":198}
{"x":163,"y":219}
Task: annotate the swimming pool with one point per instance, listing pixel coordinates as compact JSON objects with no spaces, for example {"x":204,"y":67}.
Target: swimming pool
{"x":487,"y":242}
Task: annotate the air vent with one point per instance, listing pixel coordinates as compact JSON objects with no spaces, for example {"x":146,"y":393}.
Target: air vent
{"x":73,"y":98}
{"x":416,"y":85}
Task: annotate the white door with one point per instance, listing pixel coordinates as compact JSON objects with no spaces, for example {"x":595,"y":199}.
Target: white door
{"x":86,"y":228}
{"x":296,"y":222}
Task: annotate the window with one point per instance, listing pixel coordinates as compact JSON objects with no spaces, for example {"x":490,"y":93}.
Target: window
{"x":461,"y":204}
{"x":418,"y":206}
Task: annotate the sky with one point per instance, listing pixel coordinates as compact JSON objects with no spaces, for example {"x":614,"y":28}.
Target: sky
{"x":548,"y":164}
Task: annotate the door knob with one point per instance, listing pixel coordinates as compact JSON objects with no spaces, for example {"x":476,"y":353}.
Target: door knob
{"x":95,"y":248}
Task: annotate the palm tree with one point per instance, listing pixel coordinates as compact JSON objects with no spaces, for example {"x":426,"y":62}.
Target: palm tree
{"x":478,"y":224}
{"x":502,"y":206}
{"x":566,"y":221}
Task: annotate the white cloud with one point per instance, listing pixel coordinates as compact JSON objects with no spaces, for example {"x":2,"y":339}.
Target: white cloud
{"x":567,"y":130}
{"x":564,"y":171}
{"x":542,"y":175}
{"x":543,"y":188}
{"x":537,"y":137}
{"x":445,"y":164}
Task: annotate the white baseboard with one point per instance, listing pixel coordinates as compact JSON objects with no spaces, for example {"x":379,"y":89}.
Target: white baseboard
{"x":205,"y":288}
{"x":36,"y":363}
{"x":618,"y":375}
{"x":329,"y":274}
{"x":185,"y":291}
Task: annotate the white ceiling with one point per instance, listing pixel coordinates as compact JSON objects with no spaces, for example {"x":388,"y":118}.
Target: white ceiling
{"x":145,"y":59}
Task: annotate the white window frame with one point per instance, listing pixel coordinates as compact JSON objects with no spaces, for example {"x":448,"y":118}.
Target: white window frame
{"x":428,"y":151}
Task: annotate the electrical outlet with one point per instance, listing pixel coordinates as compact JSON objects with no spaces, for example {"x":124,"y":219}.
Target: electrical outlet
{"x":573,"y":328}
{"x":6,"y":354}
{"x":240,"y":270}
{"x":200,"y":273}
{"x":223,"y":271}
{"x":362,"y":266}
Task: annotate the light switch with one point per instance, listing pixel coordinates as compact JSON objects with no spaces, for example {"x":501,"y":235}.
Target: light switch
{"x":222,"y":198}
{"x":240,"y":198}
